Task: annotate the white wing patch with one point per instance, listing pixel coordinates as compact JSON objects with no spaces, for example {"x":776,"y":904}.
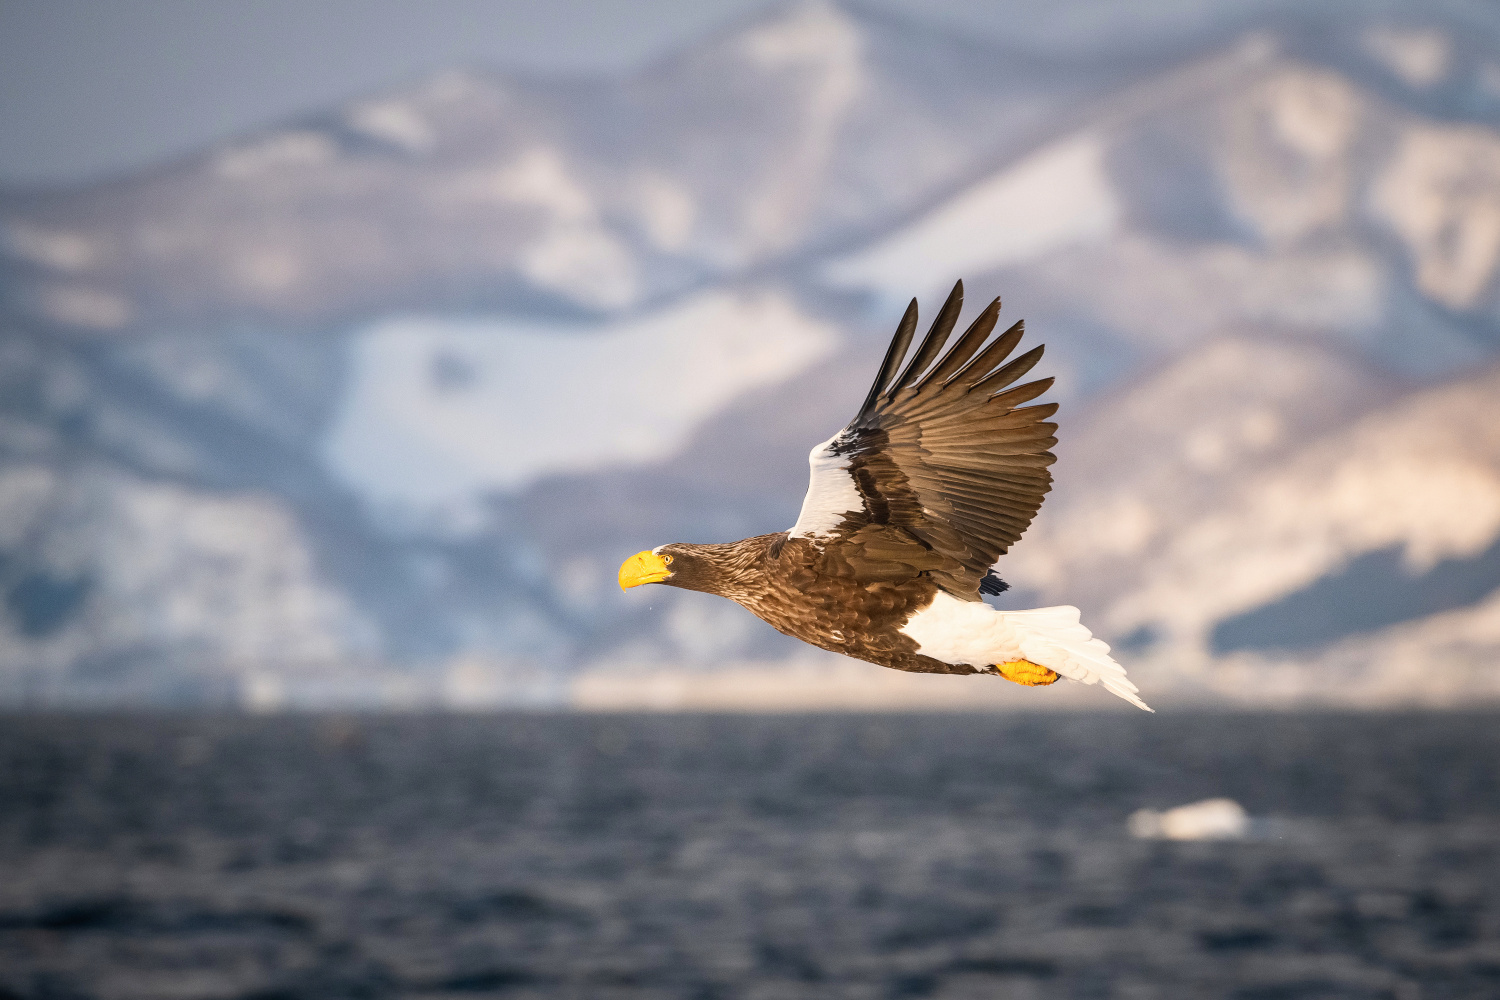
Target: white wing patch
{"x":972,"y":632}
{"x":831,"y":493}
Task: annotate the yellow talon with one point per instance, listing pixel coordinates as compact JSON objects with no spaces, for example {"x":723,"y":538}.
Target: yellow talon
{"x":1026,"y":672}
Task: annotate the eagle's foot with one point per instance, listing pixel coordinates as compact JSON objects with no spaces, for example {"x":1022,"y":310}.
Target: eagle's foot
{"x":1026,"y":672}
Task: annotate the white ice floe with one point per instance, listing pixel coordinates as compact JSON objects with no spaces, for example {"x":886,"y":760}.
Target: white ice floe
{"x":1211,"y":819}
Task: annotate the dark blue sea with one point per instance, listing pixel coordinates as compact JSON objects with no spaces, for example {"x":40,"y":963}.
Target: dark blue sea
{"x":755,"y":857}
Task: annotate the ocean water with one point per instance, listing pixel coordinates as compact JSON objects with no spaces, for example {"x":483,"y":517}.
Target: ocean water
{"x":982,"y":856}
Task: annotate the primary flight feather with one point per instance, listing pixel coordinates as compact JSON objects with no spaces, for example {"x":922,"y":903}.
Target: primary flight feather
{"x":907,"y":509}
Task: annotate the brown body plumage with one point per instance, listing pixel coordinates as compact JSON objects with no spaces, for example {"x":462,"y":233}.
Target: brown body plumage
{"x":837,"y":598}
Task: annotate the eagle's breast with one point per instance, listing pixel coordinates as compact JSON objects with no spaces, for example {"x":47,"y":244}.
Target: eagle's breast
{"x":814,"y":592}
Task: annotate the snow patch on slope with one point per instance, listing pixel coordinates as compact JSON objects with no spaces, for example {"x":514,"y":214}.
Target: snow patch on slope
{"x":574,"y":254}
{"x":266,"y":155}
{"x":50,"y":247}
{"x":1284,"y":154}
{"x":443,"y":411}
{"x":1054,"y":198}
{"x":159,"y":571}
{"x":1442,"y":196}
{"x":1421,"y":58}
{"x":394,"y":121}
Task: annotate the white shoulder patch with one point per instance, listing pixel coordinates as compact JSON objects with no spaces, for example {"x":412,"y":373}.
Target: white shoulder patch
{"x":972,"y":632}
{"x":831,"y":493}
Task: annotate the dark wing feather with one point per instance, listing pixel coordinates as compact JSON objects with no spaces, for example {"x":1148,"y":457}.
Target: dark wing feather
{"x":945,"y":451}
{"x":932,"y":344}
{"x":893,"y":355}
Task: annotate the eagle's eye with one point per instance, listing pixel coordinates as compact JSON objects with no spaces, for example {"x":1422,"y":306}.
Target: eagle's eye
{"x":667,"y":560}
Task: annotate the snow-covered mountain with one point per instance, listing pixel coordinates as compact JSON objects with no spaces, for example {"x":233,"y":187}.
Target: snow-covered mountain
{"x":369,"y":406}
{"x":480,"y":191}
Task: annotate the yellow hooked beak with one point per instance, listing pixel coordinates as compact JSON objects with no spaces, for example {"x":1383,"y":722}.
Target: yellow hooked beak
{"x":644,"y":567}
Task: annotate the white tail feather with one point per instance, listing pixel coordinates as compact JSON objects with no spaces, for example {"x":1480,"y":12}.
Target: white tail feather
{"x":969,"y":632}
{"x":1055,"y":638}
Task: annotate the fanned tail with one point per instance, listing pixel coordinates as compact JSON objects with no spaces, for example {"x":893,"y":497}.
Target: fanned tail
{"x":1055,"y":638}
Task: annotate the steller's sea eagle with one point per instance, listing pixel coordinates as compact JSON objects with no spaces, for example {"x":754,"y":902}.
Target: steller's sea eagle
{"x":907,"y":510}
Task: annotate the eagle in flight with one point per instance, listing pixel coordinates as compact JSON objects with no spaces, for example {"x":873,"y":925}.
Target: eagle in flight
{"x":907,"y":510}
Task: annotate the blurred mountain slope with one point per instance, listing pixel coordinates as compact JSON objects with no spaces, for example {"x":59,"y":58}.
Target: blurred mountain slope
{"x":1420,"y":475}
{"x":476,"y":190}
{"x":1362,"y":566}
{"x":1252,"y":187}
{"x":237,"y":392}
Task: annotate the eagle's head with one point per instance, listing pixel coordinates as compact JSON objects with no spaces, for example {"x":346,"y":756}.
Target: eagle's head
{"x":678,"y":564}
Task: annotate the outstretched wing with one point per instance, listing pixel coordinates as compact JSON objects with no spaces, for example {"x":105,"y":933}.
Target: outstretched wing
{"x":944,"y":450}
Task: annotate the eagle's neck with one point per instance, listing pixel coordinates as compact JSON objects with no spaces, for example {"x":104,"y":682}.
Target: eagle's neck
{"x":736,"y":570}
